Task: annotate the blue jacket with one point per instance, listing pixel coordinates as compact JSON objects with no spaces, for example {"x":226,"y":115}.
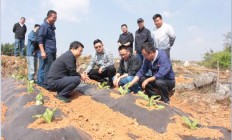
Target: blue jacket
{"x":32,"y":38}
{"x":46,"y":36}
{"x":161,"y":68}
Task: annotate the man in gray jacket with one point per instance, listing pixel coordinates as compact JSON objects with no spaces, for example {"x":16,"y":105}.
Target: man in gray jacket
{"x":101,"y":64}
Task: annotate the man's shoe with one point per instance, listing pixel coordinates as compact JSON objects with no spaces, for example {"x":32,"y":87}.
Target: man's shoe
{"x":64,"y":99}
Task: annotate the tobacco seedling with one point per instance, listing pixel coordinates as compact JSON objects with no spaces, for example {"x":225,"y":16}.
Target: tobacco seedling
{"x":142,"y":94}
{"x":30,"y":86}
{"x":124,"y":90}
{"x":103,"y":85}
{"x":191,"y":123}
{"x":39,"y":99}
{"x":47,"y":116}
{"x":152,"y":102}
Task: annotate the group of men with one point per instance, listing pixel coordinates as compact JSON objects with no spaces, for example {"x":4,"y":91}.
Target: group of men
{"x":147,"y":68}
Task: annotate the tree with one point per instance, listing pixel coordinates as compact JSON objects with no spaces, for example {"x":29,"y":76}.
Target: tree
{"x":7,"y":49}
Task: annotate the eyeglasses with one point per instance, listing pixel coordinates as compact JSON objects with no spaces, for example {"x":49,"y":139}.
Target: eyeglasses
{"x":96,"y":47}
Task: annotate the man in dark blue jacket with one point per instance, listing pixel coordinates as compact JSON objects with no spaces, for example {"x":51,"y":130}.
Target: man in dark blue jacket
{"x":47,"y":45}
{"x":32,"y":46}
{"x":162,"y":78}
{"x":62,"y":76}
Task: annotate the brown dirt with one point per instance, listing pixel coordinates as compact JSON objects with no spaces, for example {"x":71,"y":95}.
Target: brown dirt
{"x":115,"y":95}
{"x":4,"y":109}
{"x":103,"y":123}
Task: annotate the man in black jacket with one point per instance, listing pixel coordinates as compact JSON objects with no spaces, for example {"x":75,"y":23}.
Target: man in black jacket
{"x":62,"y":76}
{"x":142,"y":35}
{"x":126,"y":38}
{"x":20,"y":30}
{"x":128,"y":67}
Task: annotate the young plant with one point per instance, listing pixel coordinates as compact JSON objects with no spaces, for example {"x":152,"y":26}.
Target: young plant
{"x":124,"y":90}
{"x":103,"y":85}
{"x":47,"y":116}
{"x":152,"y":102}
{"x":30,"y":86}
{"x":39,"y":99}
{"x":191,"y":123}
{"x":142,"y":94}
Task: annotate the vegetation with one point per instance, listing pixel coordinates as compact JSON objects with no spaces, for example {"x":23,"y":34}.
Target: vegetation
{"x":7,"y":49}
{"x":39,"y":99}
{"x":103,"y":85}
{"x":193,"y":124}
{"x":152,"y":102}
{"x":47,"y":116}
{"x":143,"y":95}
{"x":30,"y":86}
{"x":124,"y":90}
{"x":211,"y":58}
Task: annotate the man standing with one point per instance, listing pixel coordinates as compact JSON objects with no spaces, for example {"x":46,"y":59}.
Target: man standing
{"x":142,"y":35}
{"x":163,"y":77}
{"x":63,"y":76}
{"x":129,"y":65}
{"x":20,"y":30}
{"x":101,"y":64}
{"x":126,"y":38}
{"x":163,"y":34}
{"x":32,"y":47}
{"x":47,"y":45}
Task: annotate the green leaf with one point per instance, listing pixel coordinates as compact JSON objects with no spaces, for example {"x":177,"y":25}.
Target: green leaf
{"x":187,"y":121}
{"x":195,"y":123}
{"x":160,"y":106}
{"x":123,"y":91}
{"x":48,"y":114}
{"x":143,"y":95}
{"x":37,"y":116}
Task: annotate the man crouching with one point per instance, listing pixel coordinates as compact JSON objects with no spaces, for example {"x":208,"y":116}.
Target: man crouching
{"x":62,"y":76}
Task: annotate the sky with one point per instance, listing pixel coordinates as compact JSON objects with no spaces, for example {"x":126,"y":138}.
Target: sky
{"x":199,"y":25}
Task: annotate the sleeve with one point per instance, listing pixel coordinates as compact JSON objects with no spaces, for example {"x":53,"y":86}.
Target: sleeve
{"x":109,"y":61}
{"x":31,"y":37}
{"x":131,"y":38}
{"x":144,"y":69}
{"x":14,"y":28}
{"x":91,"y":64}
{"x":119,"y":39}
{"x":136,"y":45}
{"x":153,"y":39}
{"x":149,"y":38}
{"x":171,"y":35}
{"x":120,"y":68}
{"x":42,"y":34}
{"x":135,"y":66}
{"x":25,"y":29}
{"x":165,"y":66}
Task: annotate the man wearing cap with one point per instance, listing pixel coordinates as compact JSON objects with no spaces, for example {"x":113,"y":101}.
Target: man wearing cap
{"x":163,"y":35}
{"x":142,"y":35}
{"x":126,"y":38}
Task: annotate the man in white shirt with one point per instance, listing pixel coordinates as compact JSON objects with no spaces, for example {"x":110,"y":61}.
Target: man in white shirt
{"x":163,"y":34}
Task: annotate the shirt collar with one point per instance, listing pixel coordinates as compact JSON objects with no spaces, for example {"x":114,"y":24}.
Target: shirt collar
{"x":156,"y":56}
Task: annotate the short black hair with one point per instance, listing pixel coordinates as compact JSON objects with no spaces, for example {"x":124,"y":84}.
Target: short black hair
{"x":36,"y":25}
{"x":97,"y":41}
{"x":123,"y":47}
{"x":123,"y":25}
{"x":50,"y":12}
{"x":156,"y":16}
{"x":148,"y":47}
{"x":23,"y":18}
{"x":76,"y":45}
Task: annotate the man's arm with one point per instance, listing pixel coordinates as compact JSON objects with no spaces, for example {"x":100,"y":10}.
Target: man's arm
{"x":110,"y":61}
{"x":134,"y":67}
{"x":91,"y":64}
{"x":14,"y":28}
{"x":171,"y":35}
{"x":41,"y":37}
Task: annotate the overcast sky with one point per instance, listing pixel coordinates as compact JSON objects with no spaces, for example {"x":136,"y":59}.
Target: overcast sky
{"x":199,"y":24}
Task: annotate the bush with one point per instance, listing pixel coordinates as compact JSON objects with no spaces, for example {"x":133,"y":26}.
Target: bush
{"x":7,"y":49}
{"x":211,"y":58}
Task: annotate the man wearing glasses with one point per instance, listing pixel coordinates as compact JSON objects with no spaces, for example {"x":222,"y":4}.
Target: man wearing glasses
{"x":129,"y":65}
{"x":101,"y":64}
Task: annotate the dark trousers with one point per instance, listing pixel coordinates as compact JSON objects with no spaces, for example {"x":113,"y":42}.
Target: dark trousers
{"x":110,"y":71}
{"x":65,"y":85}
{"x":164,"y":86}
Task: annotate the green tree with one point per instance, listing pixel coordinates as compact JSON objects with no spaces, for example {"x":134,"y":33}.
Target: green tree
{"x":7,"y":49}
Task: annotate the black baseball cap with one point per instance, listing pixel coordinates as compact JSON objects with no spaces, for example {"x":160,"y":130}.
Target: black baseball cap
{"x":140,"y":20}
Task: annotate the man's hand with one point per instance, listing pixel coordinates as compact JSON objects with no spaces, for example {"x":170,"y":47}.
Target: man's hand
{"x":84,"y":77}
{"x":43,"y":55}
{"x":100,"y":70}
{"x":119,"y":44}
{"x":144,"y":84}
{"x":116,"y":81}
